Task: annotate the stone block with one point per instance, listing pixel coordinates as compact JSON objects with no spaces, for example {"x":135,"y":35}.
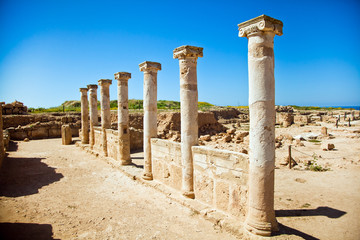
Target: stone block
{"x":221,"y":194}
{"x":237,"y":200}
{"x":66,"y":134}
{"x":204,"y":187}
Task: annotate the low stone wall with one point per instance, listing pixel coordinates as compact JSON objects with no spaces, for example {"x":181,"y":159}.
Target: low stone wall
{"x":136,"y":140}
{"x":220,"y":176}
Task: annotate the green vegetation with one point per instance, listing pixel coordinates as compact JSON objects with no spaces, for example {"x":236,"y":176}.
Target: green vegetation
{"x":317,"y":108}
{"x":314,"y":166}
{"x":314,"y":141}
{"x":134,"y":105}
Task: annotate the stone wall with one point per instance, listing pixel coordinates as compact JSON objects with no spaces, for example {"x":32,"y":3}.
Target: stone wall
{"x":220,"y":176}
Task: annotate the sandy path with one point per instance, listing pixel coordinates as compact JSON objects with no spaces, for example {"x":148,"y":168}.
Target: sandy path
{"x":50,"y":191}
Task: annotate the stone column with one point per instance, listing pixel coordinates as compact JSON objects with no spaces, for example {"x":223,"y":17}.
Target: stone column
{"x":2,"y":151}
{"x":105,"y":110}
{"x":188,"y":56}
{"x":123,"y":118}
{"x":150,"y":70}
{"x":260,"y":32}
{"x":94,"y":121}
{"x":84,"y":116}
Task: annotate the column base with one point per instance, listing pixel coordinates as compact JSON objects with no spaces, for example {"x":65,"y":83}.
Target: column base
{"x":147,"y":176}
{"x":126,"y":162}
{"x":189,"y":194}
{"x":260,"y":228}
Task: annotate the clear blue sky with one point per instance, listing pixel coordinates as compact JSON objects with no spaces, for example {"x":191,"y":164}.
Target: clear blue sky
{"x":51,"y":48}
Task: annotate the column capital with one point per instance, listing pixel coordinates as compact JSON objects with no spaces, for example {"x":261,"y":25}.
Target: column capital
{"x":187,"y":51}
{"x":261,"y":23}
{"x":92,"y":86}
{"x":122,"y":76}
{"x":104,"y":82}
{"x":149,"y":66}
{"x":83,"y":90}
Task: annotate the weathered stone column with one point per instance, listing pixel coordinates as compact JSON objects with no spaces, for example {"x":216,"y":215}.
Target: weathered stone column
{"x":2,"y":151}
{"x":260,"y":32}
{"x":188,"y":56}
{"x":105,"y":110}
{"x":94,"y":121}
{"x":84,"y":116}
{"x":150,"y":70}
{"x":123,"y":118}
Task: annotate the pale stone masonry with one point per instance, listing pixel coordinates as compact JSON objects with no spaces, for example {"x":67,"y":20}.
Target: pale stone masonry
{"x":84,"y":116}
{"x":66,"y":136}
{"x":260,"y":32}
{"x":150,"y":70}
{"x":123,"y":118}
{"x":105,"y":110}
{"x":2,"y":151}
{"x":93,"y":112}
{"x":188,"y":56}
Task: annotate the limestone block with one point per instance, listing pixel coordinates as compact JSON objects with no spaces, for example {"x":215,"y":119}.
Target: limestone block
{"x":221,"y":195}
{"x":175,"y":175}
{"x":66,"y":134}
{"x":204,"y":187}
{"x":237,"y":200}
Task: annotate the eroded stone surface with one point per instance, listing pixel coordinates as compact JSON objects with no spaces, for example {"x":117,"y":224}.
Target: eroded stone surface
{"x":105,"y":110}
{"x":84,"y":116}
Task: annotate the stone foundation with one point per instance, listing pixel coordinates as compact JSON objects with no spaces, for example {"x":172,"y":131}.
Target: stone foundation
{"x":220,"y":176}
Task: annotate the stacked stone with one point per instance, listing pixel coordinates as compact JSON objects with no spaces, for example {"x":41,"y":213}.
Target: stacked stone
{"x":188,"y":56}
{"x":105,"y":110}
{"x":14,"y":108}
{"x":260,"y":32}
{"x":150,"y":70}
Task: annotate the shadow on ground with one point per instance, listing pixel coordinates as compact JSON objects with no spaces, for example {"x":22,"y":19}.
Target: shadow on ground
{"x":26,"y":231}
{"x":320,"y":211}
{"x":25,"y":176}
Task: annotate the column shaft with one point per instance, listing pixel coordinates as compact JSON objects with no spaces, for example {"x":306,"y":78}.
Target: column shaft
{"x":93,"y":112}
{"x":2,"y":151}
{"x":84,"y":116}
{"x":150,"y":112}
{"x":105,"y":110}
{"x":189,"y":112}
{"x":260,"y":32}
{"x":123,"y":118}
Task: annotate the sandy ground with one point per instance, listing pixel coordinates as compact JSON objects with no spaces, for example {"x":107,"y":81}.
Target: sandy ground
{"x":50,"y":191}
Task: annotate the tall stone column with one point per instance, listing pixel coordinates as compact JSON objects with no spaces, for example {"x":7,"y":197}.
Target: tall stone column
{"x":150,"y":70}
{"x":2,"y":151}
{"x":84,"y":116}
{"x":105,"y":110}
{"x":260,"y":32}
{"x":188,"y":56}
{"x":94,"y":121}
{"x":123,"y":118}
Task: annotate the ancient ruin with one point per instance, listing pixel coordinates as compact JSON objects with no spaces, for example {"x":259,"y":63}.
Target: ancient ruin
{"x":123,"y":117}
{"x":150,"y":70}
{"x":188,"y":56}
{"x":84,"y":116}
{"x":105,"y":110}
{"x":94,"y":120}
{"x":260,"y":33}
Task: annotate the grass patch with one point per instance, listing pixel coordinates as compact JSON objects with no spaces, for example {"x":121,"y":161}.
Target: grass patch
{"x":314,"y":141}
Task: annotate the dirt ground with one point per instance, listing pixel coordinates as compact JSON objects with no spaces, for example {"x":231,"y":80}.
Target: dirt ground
{"x":50,"y":191}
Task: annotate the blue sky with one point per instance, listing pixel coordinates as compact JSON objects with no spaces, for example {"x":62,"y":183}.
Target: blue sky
{"x":51,"y":48}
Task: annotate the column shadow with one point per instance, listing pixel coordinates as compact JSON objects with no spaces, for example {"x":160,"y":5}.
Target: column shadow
{"x":319,"y":211}
{"x":13,"y":146}
{"x":25,"y":176}
{"x":26,"y":231}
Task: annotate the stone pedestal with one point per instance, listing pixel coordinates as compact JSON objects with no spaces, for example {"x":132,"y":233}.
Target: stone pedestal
{"x":105,"y":111}
{"x":2,"y":150}
{"x":84,"y":116}
{"x":94,"y":121}
{"x":150,"y":70}
{"x":66,"y":135}
{"x":123,"y":118}
{"x":260,"y":32}
{"x":188,"y":56}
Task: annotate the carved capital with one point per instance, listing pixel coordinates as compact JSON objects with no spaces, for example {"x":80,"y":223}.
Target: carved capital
{"x":188,"y":52}
{"x":92,"y":86}
{"x":105,"y":82}
{"x":262,"y":23}
{"x":83,"y":90}
{"x":149,"y":66}
{"x":122,"y":76}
